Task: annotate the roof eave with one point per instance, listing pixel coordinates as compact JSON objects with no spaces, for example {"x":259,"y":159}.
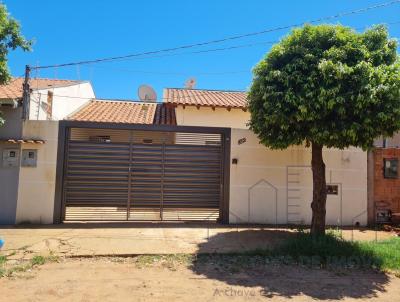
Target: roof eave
{"x":207,"y":106}
{"x":11,"y":102}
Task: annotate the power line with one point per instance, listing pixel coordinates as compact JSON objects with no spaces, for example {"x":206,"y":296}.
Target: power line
{"x":339,"y":15}
{"x":194,"y":52}
{"x":34,"y":93}
{"x":206,"y":51}
{"x":201,"y":51}
{"x":176,"y":73}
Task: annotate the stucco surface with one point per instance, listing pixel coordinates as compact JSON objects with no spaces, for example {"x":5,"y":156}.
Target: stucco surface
{"x":37,"y":184}
{"x":12,"y":128}
{"x":207,"y":117}
{"x":275,"y":186}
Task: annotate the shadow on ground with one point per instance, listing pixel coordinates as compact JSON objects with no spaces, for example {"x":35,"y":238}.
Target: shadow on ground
{"x":275,"y":275}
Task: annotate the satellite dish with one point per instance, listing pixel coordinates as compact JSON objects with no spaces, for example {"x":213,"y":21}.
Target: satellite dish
{"x":190,"y":83}
{"x":147,"y":94}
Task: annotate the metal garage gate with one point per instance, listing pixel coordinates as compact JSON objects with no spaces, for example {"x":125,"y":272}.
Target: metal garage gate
{"x":136,"y":175}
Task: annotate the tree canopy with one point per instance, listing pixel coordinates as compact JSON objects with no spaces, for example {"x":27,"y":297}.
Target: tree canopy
{"x":327,"y":84}
{"x":10,"y":39}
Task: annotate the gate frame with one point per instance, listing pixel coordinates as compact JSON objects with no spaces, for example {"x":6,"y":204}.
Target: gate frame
{"x":65,"y":126}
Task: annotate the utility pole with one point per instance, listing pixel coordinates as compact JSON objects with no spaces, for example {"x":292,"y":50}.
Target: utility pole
{"x":26,"y":93}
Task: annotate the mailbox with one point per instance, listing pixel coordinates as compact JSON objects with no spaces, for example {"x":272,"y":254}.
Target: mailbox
{"x":29,"y":158}
{"x":10,"y":157}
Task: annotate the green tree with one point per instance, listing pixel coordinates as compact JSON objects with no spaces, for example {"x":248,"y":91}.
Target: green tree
{"x":326,"y":86}
{"x":10,"y":39}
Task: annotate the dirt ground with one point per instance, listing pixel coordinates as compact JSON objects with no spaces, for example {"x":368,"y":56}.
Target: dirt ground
{"x":127,"y":279}
{"x":128,"y":239}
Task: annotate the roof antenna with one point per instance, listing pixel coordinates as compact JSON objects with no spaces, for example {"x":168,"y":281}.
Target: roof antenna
{"x":146,"y":93}
{"x":190,"y":83}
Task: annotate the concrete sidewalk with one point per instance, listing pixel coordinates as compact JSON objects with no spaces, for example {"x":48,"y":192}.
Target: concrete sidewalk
{"x":133,"y":239}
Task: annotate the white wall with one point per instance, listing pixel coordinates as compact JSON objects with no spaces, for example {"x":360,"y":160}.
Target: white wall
{"x":37,"y":184}
{"x":207,"y":117}
{"x":263,"y":180}
{"x":66,"y":100}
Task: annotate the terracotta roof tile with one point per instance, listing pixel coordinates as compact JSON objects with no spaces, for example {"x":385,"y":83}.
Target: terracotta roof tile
{"x":13,"y":89}
{"x":129,"y":112}
{"x":208,"y":98}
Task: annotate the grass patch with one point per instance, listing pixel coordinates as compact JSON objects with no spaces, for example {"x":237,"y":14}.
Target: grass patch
{"x":38,"y":260}
{"x":3,"y":259}
{"x":332,"y":250}
{"x":23,"y":266}
{"x":387,"y":251}
{"x":169,"y":261}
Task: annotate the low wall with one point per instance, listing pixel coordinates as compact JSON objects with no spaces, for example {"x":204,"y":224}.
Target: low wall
{"x":37,"y":184}
{"x":275,"y":186}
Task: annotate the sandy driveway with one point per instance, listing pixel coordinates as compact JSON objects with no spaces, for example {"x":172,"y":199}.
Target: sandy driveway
{"x":122,"y":279}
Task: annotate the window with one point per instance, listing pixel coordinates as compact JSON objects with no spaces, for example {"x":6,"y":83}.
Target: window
{"x":390,"y":168}
{"x":332,"y":189}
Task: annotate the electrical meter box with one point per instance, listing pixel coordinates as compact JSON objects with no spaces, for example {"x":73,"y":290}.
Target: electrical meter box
{"x":10,"y":158}
{"x":29,"y":158}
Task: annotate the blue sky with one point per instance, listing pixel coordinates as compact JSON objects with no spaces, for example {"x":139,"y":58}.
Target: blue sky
{"x":72,"y":30}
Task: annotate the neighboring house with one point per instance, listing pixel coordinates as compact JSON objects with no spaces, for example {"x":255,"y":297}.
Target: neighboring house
{"x":221,"y":108}
{"x":33,"y":139}
{"x":384,"y":180}
{"x":191,"y":157}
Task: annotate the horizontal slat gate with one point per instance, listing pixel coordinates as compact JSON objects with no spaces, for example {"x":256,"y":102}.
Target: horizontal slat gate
{"x":176,"y":176}
{"x":146,"y":182}
{"x":192,"y":180}
{"x":97,"y":179}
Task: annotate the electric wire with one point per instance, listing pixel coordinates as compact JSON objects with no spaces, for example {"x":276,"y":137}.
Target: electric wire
{"x":235,"y":37}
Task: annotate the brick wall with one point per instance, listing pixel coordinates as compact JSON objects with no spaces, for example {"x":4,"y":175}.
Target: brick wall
{"x":386,"y":190}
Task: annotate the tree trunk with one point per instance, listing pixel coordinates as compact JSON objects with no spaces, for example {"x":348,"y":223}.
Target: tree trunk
{"x":318,"y":204}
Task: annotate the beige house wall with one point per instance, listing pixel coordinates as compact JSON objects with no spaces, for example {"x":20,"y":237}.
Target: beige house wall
{"x":12,"y":128}
{"x":265,"y":181}
{"x":262,"y":183}
{"x":37,"y":184}
{"x":207,"y":117}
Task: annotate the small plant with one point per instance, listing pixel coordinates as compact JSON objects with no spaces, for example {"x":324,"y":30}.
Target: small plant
{"x":168,"y":261}
{"x":38,"y":260}
{"x":3,"y":259}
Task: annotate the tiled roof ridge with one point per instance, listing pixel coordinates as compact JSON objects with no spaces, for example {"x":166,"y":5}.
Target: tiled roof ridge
{"x":125,"y":112}
{"x":204,"y":89}
{"x":205,"y":98}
